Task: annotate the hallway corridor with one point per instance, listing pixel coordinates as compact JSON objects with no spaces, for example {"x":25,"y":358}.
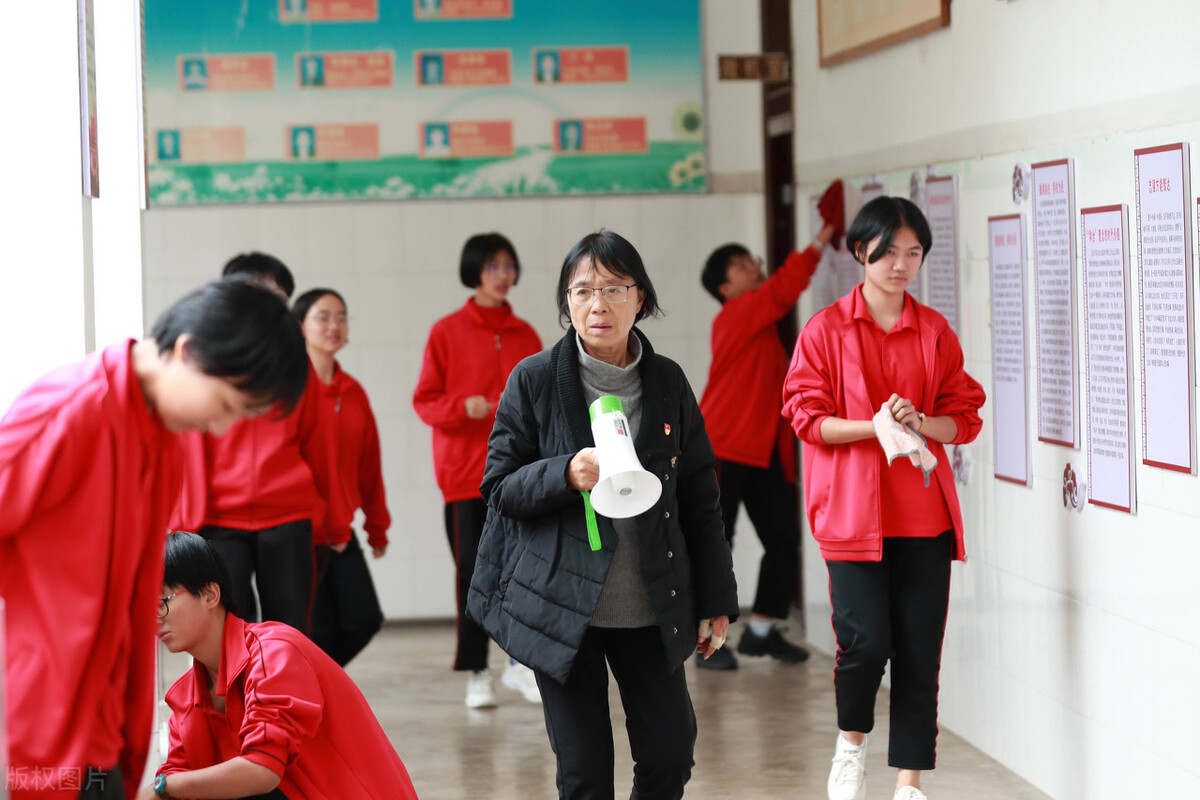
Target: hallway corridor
{"x":766,"y":731}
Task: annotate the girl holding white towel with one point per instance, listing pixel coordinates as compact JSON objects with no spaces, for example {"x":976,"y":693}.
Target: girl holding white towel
{"x":886,"y":537}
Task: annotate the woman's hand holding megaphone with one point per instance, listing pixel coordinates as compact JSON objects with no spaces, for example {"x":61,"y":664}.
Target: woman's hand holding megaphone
{"x":584,"y":470}
{"x":712,"y":635}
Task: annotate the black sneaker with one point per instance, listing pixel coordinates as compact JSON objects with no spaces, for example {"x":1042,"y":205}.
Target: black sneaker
{"x":721,"y":659}
{"x":773,"y":645}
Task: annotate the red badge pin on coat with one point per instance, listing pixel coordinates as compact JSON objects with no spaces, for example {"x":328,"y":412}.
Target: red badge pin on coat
{"x":666,"y":429}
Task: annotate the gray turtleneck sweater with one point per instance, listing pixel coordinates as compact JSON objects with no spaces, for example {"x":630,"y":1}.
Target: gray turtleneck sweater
{"x":623,"y":601}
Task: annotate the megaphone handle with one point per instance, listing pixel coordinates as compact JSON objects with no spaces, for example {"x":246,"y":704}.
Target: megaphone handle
{"x":592,"y":528}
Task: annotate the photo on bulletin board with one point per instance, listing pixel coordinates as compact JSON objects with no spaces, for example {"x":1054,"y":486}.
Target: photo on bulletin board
{"x":329,"y":100}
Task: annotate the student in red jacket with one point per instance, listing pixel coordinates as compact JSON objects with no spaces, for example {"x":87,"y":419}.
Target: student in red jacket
{"x":346,"y":612}
{"x":754,"y":448}
{"x":467,"y":361}
{"x":262,"y":712}
{"x":258,"y":492}
{"x":89,"y":460}
{"x":887,"y":536}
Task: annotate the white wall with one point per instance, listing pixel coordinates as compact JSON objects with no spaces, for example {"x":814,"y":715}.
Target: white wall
{"x":397,"y":265}
{"x":42,"y":210}
{"x":1073,"y":642}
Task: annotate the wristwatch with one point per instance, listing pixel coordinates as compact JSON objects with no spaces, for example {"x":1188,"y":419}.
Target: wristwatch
{"x":160,"y":785}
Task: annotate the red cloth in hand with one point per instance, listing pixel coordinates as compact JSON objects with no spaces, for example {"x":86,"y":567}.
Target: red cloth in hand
{"x":833,"y":211}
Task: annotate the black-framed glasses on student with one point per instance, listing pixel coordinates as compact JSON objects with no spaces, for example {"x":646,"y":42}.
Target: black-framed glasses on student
{"x":164,"y":603}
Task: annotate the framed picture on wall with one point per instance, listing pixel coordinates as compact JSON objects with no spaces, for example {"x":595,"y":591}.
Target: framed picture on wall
{"x":849,"y":29}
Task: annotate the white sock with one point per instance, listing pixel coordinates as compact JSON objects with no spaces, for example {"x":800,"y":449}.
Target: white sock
{"x":845,"y":745}
{"x":761,"y":627}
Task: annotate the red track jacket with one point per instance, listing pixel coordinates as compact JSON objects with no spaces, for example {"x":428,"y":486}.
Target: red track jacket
{"x":742,"y":400}
{"x":262,"y":472}
{"x":466,"y":356}
{"x":359,"y":477}
{"x":87,"y":472}
{"x":290,"y":708}
{"x":841,"y":482}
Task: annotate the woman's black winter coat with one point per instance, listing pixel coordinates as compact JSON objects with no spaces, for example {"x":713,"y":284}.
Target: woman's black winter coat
{"x":536,"y":579}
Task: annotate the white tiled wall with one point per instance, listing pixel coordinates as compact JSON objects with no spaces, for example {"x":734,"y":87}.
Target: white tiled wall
{"x":1073,"y":639}
{"x":397,"y":265}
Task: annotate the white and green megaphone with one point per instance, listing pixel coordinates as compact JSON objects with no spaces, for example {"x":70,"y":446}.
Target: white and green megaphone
{"x":625,"y":488}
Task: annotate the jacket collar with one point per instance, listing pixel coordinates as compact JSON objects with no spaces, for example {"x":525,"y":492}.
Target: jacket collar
{"x":234,"y":658}
{"x":565,"y":360}
{"x":118,"y":364}
{"x":928,"y":326}
{"x":475,"y":312}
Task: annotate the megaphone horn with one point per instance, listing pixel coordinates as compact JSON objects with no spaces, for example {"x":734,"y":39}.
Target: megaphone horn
{"x":625,"y":488}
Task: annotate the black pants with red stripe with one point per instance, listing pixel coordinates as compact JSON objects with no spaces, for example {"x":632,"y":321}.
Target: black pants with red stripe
{"x":464,"y":527}
{"x":772,"y":506}
{"x":893,"y":609}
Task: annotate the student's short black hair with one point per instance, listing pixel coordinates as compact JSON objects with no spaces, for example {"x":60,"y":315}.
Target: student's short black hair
{"x":479,"y":250}
{"x":306,"y":301}
{"x":618,"y":256}
{"x":883,"y":217}
{"x":716,"y":269}
{"x":243,"y":333}
{"x":192,"y":563}
{"x":258,"y":264}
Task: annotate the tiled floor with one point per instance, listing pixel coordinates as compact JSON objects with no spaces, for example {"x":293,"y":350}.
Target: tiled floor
{"x":766,"y":731}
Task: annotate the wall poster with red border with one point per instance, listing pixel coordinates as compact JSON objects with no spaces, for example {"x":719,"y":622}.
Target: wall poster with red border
{"x":941,"y":265}
{"x":1009,"y":400}
{"x":1055,"y":302}
{"x":1109,"y":357}
{"x":1164,"y":256}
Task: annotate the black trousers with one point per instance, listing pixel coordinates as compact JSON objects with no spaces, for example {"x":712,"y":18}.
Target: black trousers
{"x":346,"y":612}
{"x":771,"y":504}
{"x":659,"y":718}
{"x":893,"y":609}
{"x":280,"y":560}
{"x":464,"y":527}
{"x":102,"y":784}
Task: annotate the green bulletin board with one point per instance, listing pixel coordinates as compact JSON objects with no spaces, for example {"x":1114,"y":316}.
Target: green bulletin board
{"x":325,"y":100}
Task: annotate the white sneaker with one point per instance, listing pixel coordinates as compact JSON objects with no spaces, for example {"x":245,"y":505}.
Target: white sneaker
{"x":520,"y":678}
{"x":481,"y":692}
{"x":848,"y":777}
{"x":909,"y":793}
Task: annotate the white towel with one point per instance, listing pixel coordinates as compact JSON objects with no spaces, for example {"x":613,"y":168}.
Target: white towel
{"x":902,"y":440}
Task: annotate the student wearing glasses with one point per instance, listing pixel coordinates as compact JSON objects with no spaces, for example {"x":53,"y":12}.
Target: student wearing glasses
{"x":263,"y":713}
{"x":467,"y":360}
{"x":644,"y":602}
{"x":346,"y":612}
{"x":756,"y":454}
